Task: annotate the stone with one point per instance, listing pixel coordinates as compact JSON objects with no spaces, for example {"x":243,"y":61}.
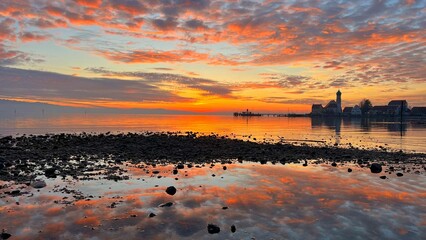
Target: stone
{"x":224,"y":167}
{"x":38,"y":184}
{"x":212,"y":229}
{"x":233,"y":228}
{"x":151,"y":215}
{"x":376,"y":168}
{"x":50,"y":172}
{"x":180,"y":166}
{"x":399,"y":174}
{"x":5,"y":235}
{"x":175,"y":171}
{"x":168,"y":204}
{"x":334,"y":164}
{"x":349,"y":169}
{"x":171,"y":190}
{"x":383,"y":177}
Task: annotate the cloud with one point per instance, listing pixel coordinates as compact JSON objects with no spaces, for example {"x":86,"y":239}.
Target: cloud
{"x":210,"y":87}
{"x":14,"y":57}
{"x":146,"y":56}
{"x":29,"y":37}
{"x":336,"y":36}
{"x":52,"y":86}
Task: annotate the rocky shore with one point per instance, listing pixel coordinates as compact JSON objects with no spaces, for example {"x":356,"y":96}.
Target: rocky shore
{"x":24,"y":158}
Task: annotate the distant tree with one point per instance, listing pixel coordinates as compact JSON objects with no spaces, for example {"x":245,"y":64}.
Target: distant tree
{"x":365,"y":105}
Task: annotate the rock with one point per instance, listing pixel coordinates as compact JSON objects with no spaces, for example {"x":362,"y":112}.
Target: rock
{"x":168,"y":204}
{"x":399,"y":174}
{"x":349,"y":169}
{"x":38,"y":184}
{"x":180,"y":166}
{"x":133,"y":215}
{"x":334,"y":164}
{"x":383,"y":177}
{"x":224,"y":208}
{"x":171,"y":190}
{"x":233,"y":228}
{"x":175,"y":171}
{"x":263,"y":161}
{"x":151,"y":215}
{"x":155,"y":172}
{"x":376,"y":168}
{"x":5,"y":235}
{"x":224,"y":167}
{"x":50,"y":172}
{"x":212,"y":229}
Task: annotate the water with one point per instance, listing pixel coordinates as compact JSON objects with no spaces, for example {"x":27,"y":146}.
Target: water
{"x":263,"y":202}
{"x":365,"y":133}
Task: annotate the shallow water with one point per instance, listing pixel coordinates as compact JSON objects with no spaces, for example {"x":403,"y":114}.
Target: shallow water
{"x":364,"y":133}
{"x":264,"y":202}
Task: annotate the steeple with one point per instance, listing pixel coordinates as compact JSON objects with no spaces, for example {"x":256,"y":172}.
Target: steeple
{"x":339,"y":101}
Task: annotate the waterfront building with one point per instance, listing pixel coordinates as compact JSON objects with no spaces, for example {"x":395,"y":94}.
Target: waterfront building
{"x":334,"y":107}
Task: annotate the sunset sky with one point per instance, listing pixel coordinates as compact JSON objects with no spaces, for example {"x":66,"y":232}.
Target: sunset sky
{"x":212,"y":56}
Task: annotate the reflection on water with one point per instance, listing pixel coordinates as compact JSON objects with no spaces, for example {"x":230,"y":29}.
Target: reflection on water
{"x":263,"y":202}
{"x":358,"y":132}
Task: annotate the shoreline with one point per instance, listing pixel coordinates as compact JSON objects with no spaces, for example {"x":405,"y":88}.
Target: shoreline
{"x":24,"y":158}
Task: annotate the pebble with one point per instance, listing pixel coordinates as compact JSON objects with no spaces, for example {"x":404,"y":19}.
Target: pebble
{"x":168,"y":204}
{"x":212,"y":229}
{"x":171,"y":190}
{"x":376,"y":168}
{"x":233,"y":228}
{"x":399,"y":174}
{"x":38,"y":184}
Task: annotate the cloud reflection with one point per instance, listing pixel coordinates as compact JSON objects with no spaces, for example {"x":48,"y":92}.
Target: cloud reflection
{"x":264,"y":201}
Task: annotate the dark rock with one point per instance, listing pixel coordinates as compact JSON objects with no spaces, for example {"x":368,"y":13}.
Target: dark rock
{"x":334,"y":164}
{"x":175,"y":171}
{"x":50,"y":172}
{"x":263,"y":161}
{"x":399,"y":174}
{"x":168,"y":204}
{"x":349,"y":169}
{"x":376,"y":168}
{"x":5,"y":235}
{"x":212,"y":229}
{"x":171,"y":190}
{"x":133,"y":215}
{"x":383,"y":177}
{"x":155,"y":172}
{"x":233,"y":228}
{"x":38,"y":184}
{"x":224,"y":167}
{"x":151,"y":215}
{"x":180,"y":166}
{"x":224,"y":208}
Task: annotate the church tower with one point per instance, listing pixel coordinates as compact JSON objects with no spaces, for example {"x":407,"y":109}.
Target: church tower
{"x":339,"y":101}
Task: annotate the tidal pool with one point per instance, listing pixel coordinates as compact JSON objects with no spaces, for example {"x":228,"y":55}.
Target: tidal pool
{"x":262,"y":201}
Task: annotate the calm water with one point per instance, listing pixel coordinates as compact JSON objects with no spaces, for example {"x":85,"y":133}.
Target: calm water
{"x":264,"y":202}
{"x":373,"y":133}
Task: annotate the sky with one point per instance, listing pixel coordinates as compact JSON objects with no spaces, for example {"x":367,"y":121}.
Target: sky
{"x":212,"y":56}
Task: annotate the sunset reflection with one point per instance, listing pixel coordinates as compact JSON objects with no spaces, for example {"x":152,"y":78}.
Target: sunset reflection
{"x":272,"y":201}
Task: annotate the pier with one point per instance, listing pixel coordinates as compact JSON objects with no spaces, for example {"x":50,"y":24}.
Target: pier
{"x":247,"y":113}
